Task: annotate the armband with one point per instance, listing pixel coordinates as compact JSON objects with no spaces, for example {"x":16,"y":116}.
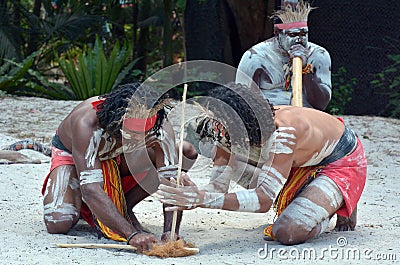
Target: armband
{"x":91,"y":176}
{"x":307,"y":69}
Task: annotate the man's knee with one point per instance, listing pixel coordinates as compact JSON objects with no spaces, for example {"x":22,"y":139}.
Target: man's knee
{"x":189,"y":151}
{"x":300,"y":221}
{"x":60,"y":220}
{"x":287,"y":232}
{"x":61,"y":227}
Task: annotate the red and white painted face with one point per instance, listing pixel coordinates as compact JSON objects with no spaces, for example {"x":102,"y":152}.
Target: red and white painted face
{"x":132,"y":136}
{"x":134,"y":130}
{"x":132,"y":140}
{"x":289,"y":37}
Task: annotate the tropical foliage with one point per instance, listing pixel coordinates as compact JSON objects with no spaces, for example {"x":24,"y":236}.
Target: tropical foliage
{"x":388,"y":81}
{"x":91,"y":73}
{"x":342,"y":89}
{"x":62,"y":36}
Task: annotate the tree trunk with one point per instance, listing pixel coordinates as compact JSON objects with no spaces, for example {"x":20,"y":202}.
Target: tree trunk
{"x":36,"y":7}
{"x":33,"y":43}
{"x":252,"y":22}
{"x":222,"y":30}
{"x":135,"y":27}
{"x":167,"y":34}
{"x":144,"y":13}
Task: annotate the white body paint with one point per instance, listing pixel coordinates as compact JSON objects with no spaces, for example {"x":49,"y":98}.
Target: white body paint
{"x":66,"y":211}
{"x":74,"y":185}
{"x":248,"y":201}
{"x":168,"y":147}
{"x":168,"y":172}
{"x":283,"y":140}
{"x":270,"y":181}
{"x":214,"y":200}
{"x":328,"y":187}
{"x":91,"y":176}
{"x":323,"y":225}
{"x":192,"y":199}
{"x":305,"y":213}
{"x":60,"y":187}
{"x":93,"y":148}
{"x":266,"y":57}
{"x":219,"y":179}
{"x":319,"y":156}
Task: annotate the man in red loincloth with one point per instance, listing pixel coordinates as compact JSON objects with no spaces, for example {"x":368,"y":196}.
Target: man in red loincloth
{"x":107,"y":156}
{"x":305,"y":162}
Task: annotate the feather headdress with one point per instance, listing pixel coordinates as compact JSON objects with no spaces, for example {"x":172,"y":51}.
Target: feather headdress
{"x":141,"y":112}
{"x":293,"y":16}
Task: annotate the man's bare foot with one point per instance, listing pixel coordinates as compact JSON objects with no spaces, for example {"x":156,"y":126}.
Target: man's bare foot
{"x":346,"y":224}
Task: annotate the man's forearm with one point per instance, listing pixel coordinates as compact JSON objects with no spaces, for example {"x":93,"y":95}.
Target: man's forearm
{"x":318,"y":94}
{"x":106,"y":211}
{"x":242,"y":201}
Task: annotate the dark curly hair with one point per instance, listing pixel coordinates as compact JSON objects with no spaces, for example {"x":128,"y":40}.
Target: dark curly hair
{"x":254,"y":110}
{"x":113,"y":108}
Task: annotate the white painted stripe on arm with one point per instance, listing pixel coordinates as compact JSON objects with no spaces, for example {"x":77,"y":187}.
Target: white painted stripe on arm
{"x":91,"y":176}
{"x":214,"y":200}
{"x":270,"y":181}
{"x":248,"y":200}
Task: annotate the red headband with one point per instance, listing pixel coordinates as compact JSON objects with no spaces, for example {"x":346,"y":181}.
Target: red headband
{"x":140,"y":125}
{"x":292,"y":25}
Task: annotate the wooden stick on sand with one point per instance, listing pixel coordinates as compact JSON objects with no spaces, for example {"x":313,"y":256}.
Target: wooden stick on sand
{"x":179,"y":251}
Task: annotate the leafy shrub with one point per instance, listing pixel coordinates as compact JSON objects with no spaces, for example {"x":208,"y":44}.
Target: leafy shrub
{"x":20,"y":79}
{"x":90,"y":72}
{"x":13,"y":75}
{"x":389,"y":80}
{"x":342,"y":89}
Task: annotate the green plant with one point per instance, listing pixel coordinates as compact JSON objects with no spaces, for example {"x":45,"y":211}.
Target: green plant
{"x":389,"y":81}
{"x":342,"y":89}
{"x":20,"y":79}
{"x":13,"y":75}
{"x":91,"y":73}
{"x":3,"y":94}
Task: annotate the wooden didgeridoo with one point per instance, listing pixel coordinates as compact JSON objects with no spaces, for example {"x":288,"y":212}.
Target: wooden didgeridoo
{"x":297,"y":83}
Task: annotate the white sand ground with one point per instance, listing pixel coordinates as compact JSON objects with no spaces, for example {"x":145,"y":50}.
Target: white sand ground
{"x":223,"y":237}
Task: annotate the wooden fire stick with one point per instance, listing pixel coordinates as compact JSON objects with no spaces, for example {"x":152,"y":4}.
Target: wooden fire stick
{"x":90,"y":245}
{"x":110,"y":246}
{"x":297,"y":82}
{"x":180,"y":157}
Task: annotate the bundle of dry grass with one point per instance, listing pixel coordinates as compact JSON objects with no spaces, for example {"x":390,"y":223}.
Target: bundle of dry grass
{"x":172,"y":249}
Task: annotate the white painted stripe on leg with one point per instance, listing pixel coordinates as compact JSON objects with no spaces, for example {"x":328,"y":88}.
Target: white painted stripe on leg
{"x":65,"y":212}
{"x":305,"y":213}
{"x":60,"y":185}
{"x":328,"y":187}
